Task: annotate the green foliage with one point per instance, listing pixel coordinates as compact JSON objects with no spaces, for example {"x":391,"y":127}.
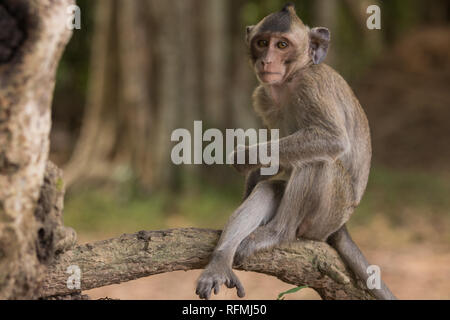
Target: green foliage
{"x":100,"y":212}
{"x":392,"y":191}
{"x":125,"y":210}
{"x":293,"y":290}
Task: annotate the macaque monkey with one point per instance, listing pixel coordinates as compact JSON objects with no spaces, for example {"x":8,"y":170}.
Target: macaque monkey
{"x":324,"y":154}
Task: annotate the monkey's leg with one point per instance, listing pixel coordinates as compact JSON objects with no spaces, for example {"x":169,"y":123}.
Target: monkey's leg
{"x":257,"y":209}
{"x":353,"y":257}
{"x":328,"y":223}
{"x":303,"y":194}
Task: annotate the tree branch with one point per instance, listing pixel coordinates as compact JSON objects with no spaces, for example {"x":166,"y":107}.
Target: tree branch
{"x":132,"y":256}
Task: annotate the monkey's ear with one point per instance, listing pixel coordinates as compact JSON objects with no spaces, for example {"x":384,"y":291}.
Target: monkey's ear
{"x":319,"y":39}
{"x":249,"y":30}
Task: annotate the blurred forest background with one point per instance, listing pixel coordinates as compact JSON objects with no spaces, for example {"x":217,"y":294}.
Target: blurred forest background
{"x":139,"y":69}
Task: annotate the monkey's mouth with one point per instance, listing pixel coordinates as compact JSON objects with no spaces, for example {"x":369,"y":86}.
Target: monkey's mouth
{"x":270,"y":77}
{"x":267,"y":73}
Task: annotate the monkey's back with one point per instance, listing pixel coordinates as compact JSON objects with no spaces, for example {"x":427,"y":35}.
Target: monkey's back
{"x":319,"y":96}
{"x":357,"y":160}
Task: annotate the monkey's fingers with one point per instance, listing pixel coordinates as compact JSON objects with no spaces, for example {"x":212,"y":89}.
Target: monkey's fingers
{"x":204,"y":289}
{"x":234,"y":282}
{"x":216,"y":287}
{"x":197,"y":290}
{"x":240,"y":289}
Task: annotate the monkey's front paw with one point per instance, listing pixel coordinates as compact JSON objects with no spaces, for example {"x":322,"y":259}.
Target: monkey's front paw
{"x":241,"y":153}
{"x":243,"y":168}
{"x":213,"y":278}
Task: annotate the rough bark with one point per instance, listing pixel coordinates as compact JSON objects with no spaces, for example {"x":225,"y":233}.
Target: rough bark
{"x":53,"y":237}
{"x":33,"y":35}
{"x":146,"y":253}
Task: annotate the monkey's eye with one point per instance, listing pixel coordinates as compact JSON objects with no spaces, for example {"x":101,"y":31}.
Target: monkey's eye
{"x":263,"y":43}
{"x":282,"y":45}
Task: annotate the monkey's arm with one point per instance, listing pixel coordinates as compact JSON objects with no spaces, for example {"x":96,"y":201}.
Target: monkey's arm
{"x":312,"y":144}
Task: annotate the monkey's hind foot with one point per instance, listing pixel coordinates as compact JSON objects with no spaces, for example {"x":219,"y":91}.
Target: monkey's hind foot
{"x":213,"y":277}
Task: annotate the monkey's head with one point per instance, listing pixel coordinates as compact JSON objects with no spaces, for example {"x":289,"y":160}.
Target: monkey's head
{"x":280,"y":44}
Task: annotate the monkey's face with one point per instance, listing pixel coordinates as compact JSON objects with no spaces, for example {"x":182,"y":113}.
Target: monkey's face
{"x":280,"y":44}
{"x":273,"y":56}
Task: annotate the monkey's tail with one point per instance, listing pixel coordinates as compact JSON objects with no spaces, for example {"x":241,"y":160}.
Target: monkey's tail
{"x":355,"y":260}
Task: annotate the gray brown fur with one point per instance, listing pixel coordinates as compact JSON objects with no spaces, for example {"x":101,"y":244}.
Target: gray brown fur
{"x":324,"y":156}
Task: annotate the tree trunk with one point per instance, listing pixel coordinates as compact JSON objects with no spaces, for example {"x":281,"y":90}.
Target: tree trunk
{"x":32,"y":39}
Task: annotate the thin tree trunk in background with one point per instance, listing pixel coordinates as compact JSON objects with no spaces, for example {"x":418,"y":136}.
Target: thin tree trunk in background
{"x":135,"y":90}
{"x":241,"y":79}
{"x":372,"y":39}
{"x":168,"y":90}
{"x":89,"y":145}
{"x":29,"y":57}
{"x":188,"y":53}
{"x":158,"y":66}
{"x":189,"y":45}
{"x":217,"y":48}
{"x":137,"y":53}
{"x":118,"y":126}
{"x":325,"y":16}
